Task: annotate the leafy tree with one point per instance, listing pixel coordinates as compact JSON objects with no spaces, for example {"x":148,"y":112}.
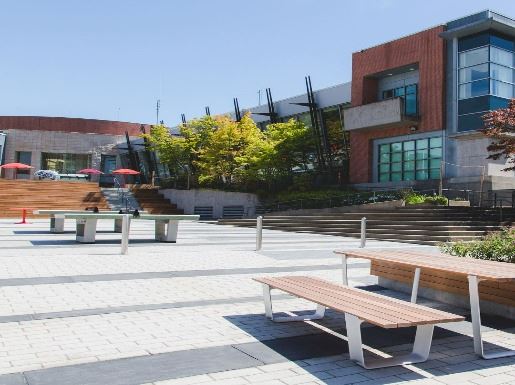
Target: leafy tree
{"x":172,"y":150}
{"x":500,"y":126}
{"x":232,"y":147}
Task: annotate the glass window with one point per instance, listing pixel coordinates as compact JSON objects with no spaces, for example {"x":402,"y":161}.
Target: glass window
{"x":470,"y":74}
{"x":421,"y":175}
{"x":434,"y":173}
{"x":410,"y":104}
{"x":384,"y":168}
{"x":384,"y":148}
{"x":409,"y":166}
{"x":435,"y":142}
{"x":384,"y":158}
{"x":399,"y":91}
{"x":396,"y":166}
{"x":388,"y":94}
{"x":502,"y":73}
{"x":24,"y":157}
{"x":504,"y":90}
{"x":418,"y":160}
{"x":422,"y":143}
{"x":411,"y":89}
{"x":408,"y":146}
{"x":397,"y":147}
{"x":396,"y":157}
{"x":501,"y":56}
{"x":473,"y":57}
{"x":477,"y":88}
{"x":409,"y":175}
{"x":384,"y":177}
{"x":65,"y":163}
{"x":470,"y":122}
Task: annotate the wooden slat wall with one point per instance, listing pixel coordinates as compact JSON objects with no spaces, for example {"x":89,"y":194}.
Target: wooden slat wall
{"x":501,"y":293}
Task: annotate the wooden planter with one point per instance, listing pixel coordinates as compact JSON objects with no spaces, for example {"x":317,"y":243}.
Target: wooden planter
{"x":496,"y":297}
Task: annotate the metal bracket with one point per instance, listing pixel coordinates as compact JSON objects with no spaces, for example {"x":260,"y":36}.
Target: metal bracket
{"x":318,"y":314}
{"x":420,"y":352}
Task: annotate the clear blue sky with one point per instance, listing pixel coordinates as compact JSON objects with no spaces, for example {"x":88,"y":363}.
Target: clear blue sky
{"x":112,"y":59}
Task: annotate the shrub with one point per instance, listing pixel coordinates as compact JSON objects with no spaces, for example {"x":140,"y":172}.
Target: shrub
{"x":414,"y":199}
{"x":498,"y":246}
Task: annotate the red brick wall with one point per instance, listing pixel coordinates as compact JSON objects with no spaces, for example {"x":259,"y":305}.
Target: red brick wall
{"x":84,"y":126}
{"x":425,"y":48}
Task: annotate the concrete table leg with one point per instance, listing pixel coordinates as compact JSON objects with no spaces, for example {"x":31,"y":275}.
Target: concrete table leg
{"x":57,"y":224}
{"x":86,"y":230}
{"x":166,"y":231}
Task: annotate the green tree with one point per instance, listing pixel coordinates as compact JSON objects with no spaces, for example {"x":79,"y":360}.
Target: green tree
{"x":231,"y":151}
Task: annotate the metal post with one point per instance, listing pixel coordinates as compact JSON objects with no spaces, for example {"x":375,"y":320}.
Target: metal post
{"x":414,"y":289}
{"x":259,"y":233}
{"x":363,"y":232}
{"x":125,"y":235}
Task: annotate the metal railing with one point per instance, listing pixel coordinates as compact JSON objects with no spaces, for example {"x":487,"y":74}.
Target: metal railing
{"x":122,"y":196}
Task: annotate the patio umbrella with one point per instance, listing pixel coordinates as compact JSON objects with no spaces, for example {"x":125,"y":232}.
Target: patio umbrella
{"x":90,"y":171}
{"x":15,"y":166}
{"x":125,"y":171}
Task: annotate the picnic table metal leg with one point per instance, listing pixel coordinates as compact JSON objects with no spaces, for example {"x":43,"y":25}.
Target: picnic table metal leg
{"x":267,"y":297}
{"x":345,"y":277}
{"x":420,"y":352}
{"x":475,"y":313}
{"x":414,"y":289}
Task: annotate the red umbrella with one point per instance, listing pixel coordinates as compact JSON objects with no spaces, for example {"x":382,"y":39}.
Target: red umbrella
{"x":90,"y":171}
{"x":125,"y":171}
{"x":16,"y":166}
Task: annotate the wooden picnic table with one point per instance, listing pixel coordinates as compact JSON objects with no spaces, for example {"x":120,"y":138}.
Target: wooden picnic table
{"x":475,"y":270}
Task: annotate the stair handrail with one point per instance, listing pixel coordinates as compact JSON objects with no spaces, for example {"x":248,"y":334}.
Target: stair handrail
{"x":122,"y":196}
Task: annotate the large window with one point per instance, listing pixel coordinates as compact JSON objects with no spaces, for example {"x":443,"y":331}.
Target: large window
{"x":486,"y":69}
{"x":65,"y":163}
{"x":409,"y":94}
{"x":410,"y":160}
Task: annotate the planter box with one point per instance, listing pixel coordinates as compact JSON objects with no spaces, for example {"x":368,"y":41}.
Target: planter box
{"x":496,"y":297}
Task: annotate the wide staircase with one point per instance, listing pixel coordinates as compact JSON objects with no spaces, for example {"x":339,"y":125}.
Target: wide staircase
{"x":153,"y":202}
{"x":427,"y":226}
{"x":47,"y":195}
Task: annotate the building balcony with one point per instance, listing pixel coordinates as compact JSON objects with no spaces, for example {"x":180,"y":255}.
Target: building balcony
{"x":383,"y":114}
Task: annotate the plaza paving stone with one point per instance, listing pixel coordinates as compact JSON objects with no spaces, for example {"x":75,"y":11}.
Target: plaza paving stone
{"x":189,"y":313}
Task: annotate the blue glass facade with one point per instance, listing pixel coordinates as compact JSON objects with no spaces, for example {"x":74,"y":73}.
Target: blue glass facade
{"x":486,"y":76}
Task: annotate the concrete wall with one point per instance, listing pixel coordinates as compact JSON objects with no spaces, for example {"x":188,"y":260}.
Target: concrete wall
{"x":36,"y":142}
{"x":188,"y":199}
{"x":374,"y":114}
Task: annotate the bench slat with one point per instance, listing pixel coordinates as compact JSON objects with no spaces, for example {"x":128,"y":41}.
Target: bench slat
{"x":374,"y":308}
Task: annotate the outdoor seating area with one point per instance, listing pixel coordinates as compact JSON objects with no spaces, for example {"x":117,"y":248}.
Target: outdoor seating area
{"x":193,"y":312}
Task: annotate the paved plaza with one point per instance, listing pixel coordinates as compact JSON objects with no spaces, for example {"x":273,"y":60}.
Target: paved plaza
{"x":189,"y":313}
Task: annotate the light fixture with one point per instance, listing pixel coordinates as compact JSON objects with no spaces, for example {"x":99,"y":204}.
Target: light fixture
{"x":413,"y":128}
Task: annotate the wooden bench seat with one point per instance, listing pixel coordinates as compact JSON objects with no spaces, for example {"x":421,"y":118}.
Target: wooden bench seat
{"x":360,"y":306}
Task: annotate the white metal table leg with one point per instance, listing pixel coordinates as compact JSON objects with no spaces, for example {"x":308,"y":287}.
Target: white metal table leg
{"x":345,"y":277}
{"x":318,"y":314}
{"x":420,"y":352}
{"x":414,"y":289}
{"x":475,"y":313}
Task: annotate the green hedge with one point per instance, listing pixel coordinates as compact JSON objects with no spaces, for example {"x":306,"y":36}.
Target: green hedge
{"x":498,"y":246}
{"x":414,"y":199}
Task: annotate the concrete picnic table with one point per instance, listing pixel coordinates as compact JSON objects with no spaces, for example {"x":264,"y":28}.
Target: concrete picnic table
{"x":57,"y":218}
{"x":166,"y":226}
{"x":475,"y":270}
